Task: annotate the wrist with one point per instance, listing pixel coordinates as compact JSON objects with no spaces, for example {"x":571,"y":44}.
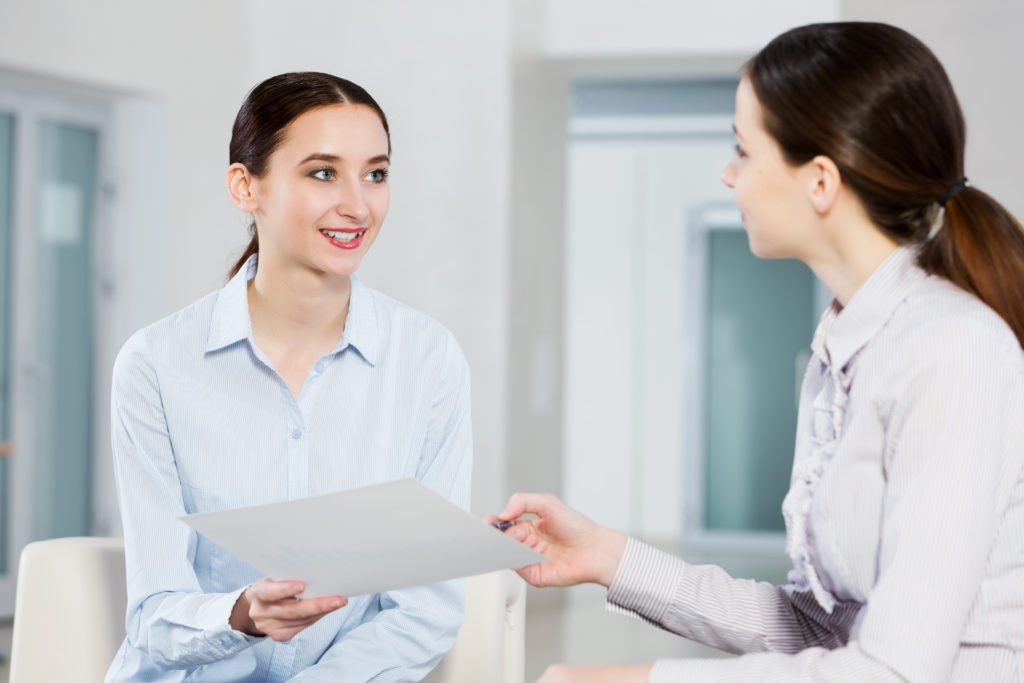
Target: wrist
{"x":611,"y":549}
{"x":239,"y":619}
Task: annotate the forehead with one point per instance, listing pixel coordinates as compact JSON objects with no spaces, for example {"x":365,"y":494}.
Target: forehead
{"x":350,"y":131}
{"x":748,"y":110}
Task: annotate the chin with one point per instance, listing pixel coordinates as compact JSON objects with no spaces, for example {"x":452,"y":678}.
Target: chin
{"x":340,"y":267}
{"x":765,"y":250}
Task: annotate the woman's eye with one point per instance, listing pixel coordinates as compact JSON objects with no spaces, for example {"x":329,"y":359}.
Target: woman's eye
{"x":377,"y":176}
{"x":323,"y":174}
{"x":740,"y":153}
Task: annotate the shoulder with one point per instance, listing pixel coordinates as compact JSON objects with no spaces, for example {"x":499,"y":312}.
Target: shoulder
{"x":941,"y":321}
{"x":942,"y":340}
{"x":183,"y":332}
{"x":404,"y":329}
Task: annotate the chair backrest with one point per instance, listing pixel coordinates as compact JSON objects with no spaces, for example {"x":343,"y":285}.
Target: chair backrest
{"x":491,"y":646}
{"x":69,"y":610}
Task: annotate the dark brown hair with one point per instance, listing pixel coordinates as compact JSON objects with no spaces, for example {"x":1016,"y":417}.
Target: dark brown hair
{"x":876,"y":101}
{"x":269,"y":108}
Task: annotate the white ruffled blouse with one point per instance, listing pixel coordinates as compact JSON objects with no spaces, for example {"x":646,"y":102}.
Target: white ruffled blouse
{"x":905,"y":516}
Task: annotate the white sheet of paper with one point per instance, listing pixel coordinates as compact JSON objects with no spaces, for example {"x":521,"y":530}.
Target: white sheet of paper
{"x":367,"y":540}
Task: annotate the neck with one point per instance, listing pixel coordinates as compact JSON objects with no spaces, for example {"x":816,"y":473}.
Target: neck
{"x":853,"y":249}
{"x":294,"y":308}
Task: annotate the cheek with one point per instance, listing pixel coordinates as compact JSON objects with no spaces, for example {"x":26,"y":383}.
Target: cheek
{"x":741,"y":188}
{"x":380,"y":202}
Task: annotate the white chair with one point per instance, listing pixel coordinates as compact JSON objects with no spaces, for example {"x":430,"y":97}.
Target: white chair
{"x":491,"y":646}
{"x":69,"y":610}
{"x":70,"y":607}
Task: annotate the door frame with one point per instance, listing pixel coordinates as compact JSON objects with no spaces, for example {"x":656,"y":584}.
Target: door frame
{"x":697,"y":538}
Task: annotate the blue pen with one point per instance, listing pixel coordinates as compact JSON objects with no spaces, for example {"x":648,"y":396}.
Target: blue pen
{"x":501,"y":526}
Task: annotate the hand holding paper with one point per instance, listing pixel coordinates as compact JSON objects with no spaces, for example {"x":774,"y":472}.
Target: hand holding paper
{"x":273,"y":609}
{"x":579,"y":550}
{"x":367,"y":540}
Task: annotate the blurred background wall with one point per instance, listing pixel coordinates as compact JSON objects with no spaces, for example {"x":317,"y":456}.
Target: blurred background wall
{"x":506,"y":169}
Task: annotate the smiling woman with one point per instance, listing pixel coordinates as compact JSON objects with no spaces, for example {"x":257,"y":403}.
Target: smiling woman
{"x":294,"y":380}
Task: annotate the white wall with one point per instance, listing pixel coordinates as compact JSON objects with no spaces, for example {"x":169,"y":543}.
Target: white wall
{"x":441,"y":73}
{"x":190,"y":57}
{"x":565,"y":40}
{"x":173,"y":90}
{"x":476,"y":93}
{"x":606,"y":29}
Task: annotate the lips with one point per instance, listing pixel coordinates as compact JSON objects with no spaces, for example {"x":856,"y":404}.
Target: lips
{"x":344,"y":238}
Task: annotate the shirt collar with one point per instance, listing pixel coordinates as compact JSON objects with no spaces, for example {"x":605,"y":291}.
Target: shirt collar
{"x":230,"y":322}
{"x":845,"y":330}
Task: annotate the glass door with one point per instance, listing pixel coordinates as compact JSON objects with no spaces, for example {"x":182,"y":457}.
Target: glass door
{"x":6,"y":215}
{"x":755,"y":318}
{"x":62,"y":443}
{"x":50,"y":154}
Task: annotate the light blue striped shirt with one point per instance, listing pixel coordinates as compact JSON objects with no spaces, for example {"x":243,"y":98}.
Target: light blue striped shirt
{"x":202,"y":422}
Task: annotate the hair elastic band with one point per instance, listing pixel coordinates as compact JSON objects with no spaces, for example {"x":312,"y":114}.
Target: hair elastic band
{"x":958,"y":187}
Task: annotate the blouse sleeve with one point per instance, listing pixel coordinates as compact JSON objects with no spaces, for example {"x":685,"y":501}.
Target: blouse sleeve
{"x":169,"y":616}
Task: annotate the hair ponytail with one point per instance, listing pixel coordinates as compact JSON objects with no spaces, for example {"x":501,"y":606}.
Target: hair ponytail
{"x":252,"y":248}
{"x":876,"y":100}
{"x":980,"y":248}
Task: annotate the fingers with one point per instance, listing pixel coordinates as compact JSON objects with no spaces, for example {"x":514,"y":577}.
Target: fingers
{"x":272,"y":609}
{"x":540,"y":504}
{"x":302,"y":609}
{"x":269,"y":590}
{"x":275,"y":603}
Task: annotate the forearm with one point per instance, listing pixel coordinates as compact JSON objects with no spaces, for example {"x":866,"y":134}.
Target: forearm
{"x":184,"y":630}
{"x":705,"y":604}
{"x":560,"y":673}
{"x":402,"y":642}
{"x":849,"y":663}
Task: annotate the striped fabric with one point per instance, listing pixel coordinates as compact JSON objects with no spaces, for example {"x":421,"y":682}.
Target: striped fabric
{"x":202,"y":422}
{"x":910,"y":459}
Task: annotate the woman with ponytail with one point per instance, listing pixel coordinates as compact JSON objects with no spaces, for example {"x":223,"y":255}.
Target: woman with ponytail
{"x":294,"y":380}
{"x":905,"y":515}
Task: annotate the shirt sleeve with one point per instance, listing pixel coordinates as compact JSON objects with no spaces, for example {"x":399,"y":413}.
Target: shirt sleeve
{"x":943,"y":470}
{"x":705,"y":604}
{"x":169,"y":617}
{"x":416,"y":626}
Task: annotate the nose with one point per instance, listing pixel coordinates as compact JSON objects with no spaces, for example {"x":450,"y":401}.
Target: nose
{"x":351,"y":202}
{"x":729,"y":175}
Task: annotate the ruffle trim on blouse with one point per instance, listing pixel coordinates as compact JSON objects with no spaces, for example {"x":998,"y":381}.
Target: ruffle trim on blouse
{"x":827,"y":424}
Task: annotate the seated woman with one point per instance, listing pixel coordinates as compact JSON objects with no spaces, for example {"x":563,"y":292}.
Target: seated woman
{"x":293,"y":380}
{"x":905,"y":516}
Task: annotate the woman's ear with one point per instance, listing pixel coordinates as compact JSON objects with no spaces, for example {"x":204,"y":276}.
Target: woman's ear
{"x":241,"y":186}
{"x":824,"y":183}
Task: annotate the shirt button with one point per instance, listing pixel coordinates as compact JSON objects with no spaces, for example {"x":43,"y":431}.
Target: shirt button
{"x":320,"y":366}
{"x":296,"y":433}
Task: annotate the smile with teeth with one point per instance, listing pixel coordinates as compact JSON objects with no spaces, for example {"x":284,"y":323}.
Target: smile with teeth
{"x":343,"y":236}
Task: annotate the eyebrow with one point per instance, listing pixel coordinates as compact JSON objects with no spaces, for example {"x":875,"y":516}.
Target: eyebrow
{"x":736,"y":131}
{"x":333,"y":158}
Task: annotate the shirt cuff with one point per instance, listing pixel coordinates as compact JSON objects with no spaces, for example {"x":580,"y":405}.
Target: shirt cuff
{"x":215,"y":617}
{"x":644,"y":582}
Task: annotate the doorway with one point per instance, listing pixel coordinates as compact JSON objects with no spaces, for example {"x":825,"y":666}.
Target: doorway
{"x":51,"y":170}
